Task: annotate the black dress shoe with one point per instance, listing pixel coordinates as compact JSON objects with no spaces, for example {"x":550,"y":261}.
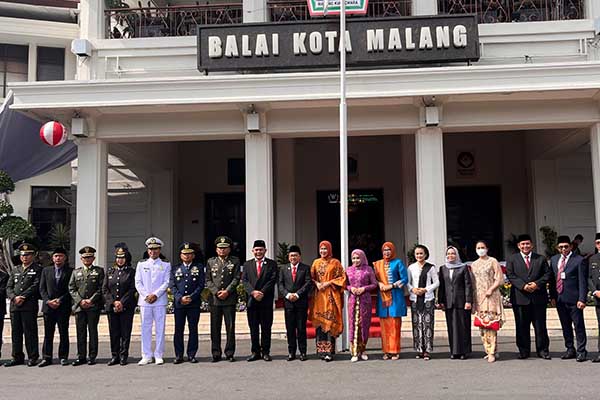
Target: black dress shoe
{"x":230,"y":358}
{"x":267,"y":357}
{"x":64,"y":362}
{"x":544,"y":355}
{"x":92,"y":361}
{"x":523,"y":356}
{"x":178,"y":360}
{"x":291,"y":357}
{"x":568,"y":355}
{"x":302,"y":357}
{"x":254,"y":357}
{"x":45,"y":363}
{"x":597,"y":359}
{"x":581,"y":357}
{"x":113,"y":361}
{"x":78,"y":362}
{"x":216,"y":359}
{"x":463,"y":356}
{"x":32,"y":363}
{"x":453,"y":357}
{"x":193,"y":360}
{"x":13,"y":362}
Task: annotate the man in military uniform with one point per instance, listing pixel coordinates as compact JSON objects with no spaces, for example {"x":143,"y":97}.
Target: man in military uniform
{"x":85,"y":287}
{"x":23,"y":292}
{"x":56,"y":306}
{"x":222,"y":279}
{"x":152,"y":281}
{"x":187,"y":283}
{"x":3,"y":282}
{"x":594,"y":285}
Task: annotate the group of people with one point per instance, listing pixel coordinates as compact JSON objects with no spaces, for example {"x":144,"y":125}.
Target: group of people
{"x":468,"y":294}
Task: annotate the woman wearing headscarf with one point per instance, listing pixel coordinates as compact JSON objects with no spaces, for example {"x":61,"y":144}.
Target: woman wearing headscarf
{"x":422,"y":282}
{"x":119,"y":291}
{"x":392,"y":276}
{"x":487,"y":299}
{"x":361,"y":282}
{"x":327,"y":305}
{"x":455,"y":295}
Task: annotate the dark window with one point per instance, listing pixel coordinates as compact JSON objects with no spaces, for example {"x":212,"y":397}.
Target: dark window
{"x":13,"y":65}
{"x":50,"y":206}
{"x":236,"y":171}
{"x":50,"y":64}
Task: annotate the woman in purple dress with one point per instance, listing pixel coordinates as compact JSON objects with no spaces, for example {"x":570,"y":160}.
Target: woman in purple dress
{"x":361,"y":282}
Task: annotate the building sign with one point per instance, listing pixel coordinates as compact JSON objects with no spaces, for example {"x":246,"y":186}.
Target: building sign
{"x":319,"y":8}
{"x":465,"y":164}
{"x":315,"y":44}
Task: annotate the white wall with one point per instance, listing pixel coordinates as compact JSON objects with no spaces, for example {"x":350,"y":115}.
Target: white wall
{"x":202,"y":169}
{"x":317,"y":166}
{"x":499,"y":160}
{"x":21,"y":197}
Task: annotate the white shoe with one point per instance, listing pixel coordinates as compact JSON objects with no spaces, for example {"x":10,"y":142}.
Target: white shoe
{"x":159,"y":361}
{"x":364,"y":357}
{"x":354,"y":359}
{"x":145,"y":361}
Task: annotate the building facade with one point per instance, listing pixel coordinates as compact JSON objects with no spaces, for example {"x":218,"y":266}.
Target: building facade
{"x":167,"y":150}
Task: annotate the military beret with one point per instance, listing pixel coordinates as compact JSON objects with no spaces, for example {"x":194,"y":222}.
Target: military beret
{"x":223,"y":241}
{"x":563,"y":239}
{"x":87,"y":251}
{"x":154,"y":243}
{"x":259,"y":243}
{"x":26,"y":248}
{"x":186,"y":248}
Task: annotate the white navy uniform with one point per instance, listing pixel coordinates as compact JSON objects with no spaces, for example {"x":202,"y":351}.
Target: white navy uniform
{"x":152,"y":277}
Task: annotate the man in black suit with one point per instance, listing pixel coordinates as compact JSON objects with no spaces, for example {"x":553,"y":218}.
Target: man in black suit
{"x":259,"y":276}
{"x":3,"y":282}
{"x":23,"y":291}
{"x":568,"y":290}
{"x":294,"y":285}
{"x":529,"y":273}
{"x":56,"y":306}
{"x":594,"y":285}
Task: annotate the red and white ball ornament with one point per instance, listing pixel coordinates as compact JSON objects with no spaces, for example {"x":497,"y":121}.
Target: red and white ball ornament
{"x":53,"y":133}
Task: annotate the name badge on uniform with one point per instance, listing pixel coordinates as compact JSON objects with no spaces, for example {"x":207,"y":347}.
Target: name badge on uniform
{"x":93,"y":273}
{"x":563,"y":275}
{"x":31,"y":273}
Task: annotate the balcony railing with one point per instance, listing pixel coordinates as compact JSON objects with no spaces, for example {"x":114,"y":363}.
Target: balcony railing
{"x":123,"y":23}
{"x":493,"y":11}
{"x":297,"y":10}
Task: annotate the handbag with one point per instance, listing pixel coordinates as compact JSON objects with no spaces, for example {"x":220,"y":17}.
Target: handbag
{"x":487,"y":323}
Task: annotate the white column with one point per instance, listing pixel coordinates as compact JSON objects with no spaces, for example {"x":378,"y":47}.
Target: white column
{"x":32,"y":63}
{"x":92,"y":202}
{"x":255,"y":11}
{"x":431,"y":202}
{"x":595,"y":150}
{"x":409,"y":193}
{"x":592,"y":10}
{"x":285,"y":191}
{"x":259,"y":192}
{"x":91,"y":19}
{"x":424,"y":7}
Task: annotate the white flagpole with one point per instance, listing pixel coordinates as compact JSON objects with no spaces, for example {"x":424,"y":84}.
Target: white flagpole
{"x":343,"y":163}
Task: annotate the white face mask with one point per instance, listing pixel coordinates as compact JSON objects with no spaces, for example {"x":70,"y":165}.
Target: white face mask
{"x":481,"y":252}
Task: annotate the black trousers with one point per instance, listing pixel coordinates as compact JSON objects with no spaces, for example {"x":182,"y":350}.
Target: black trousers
{"x":1,"y":330}
{"x":24,"y":323}
{"x":87,"y":321}
{"x":192,"y":315}
{"x":53,"y":319}
{"x":525,"y":315}
{"x":570,"y":316}
{"x":295,"y":328}
{"x":119,"y":326}
{"x":260,"y":321}
{"x":597,"y":317}
{"x":217,"y":315}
